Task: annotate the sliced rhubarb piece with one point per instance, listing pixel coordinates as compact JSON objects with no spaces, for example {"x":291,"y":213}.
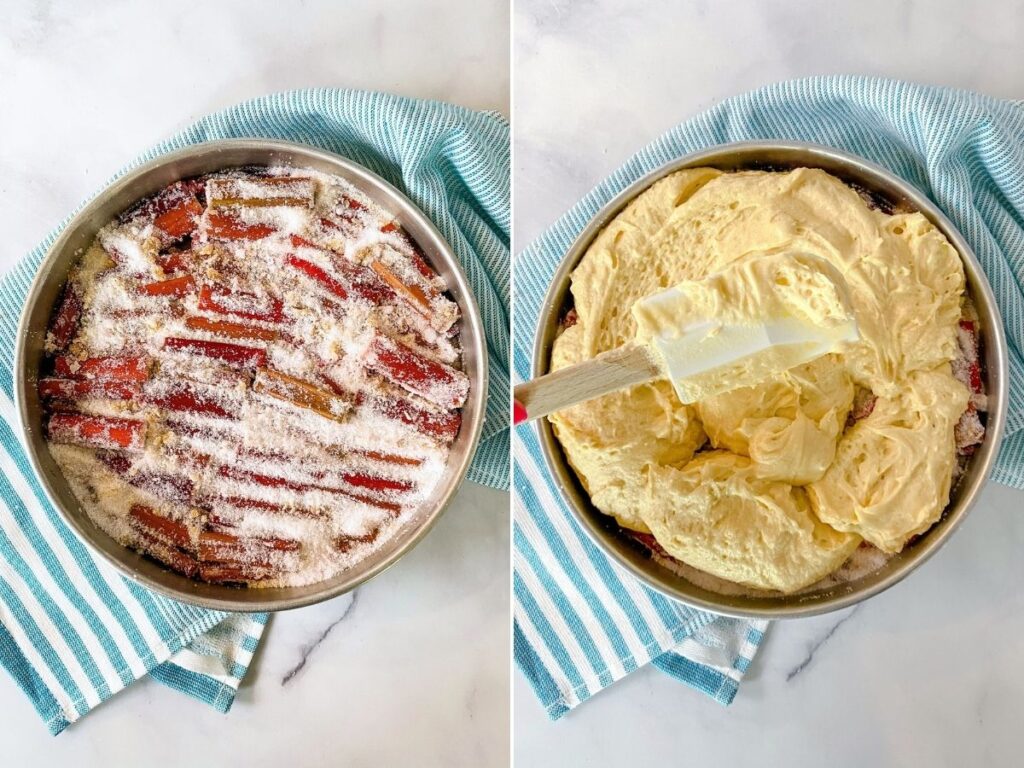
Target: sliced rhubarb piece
{"x":244,"y":502}
{"x":441,"y":426}
{"x":217,"y":546}
{"x":388,"y":506}
{"x":413,"y":294}
{"x":175,"y":559}
{"x":376,"y":483}
{"x":248,"y":306}
{"x":389,"y":227}
{"x":187,"y":457}
{"x":257,"y":192}
{"x":174,"y":261}
{"x":320,"y":275}
{"x":363,"y":281}
{"x":114,"y":368}
{"x":185,"y":399}
{"x":332,"y":384}
{"x":345,"y":542}
{"x":298,"y":241}
{"x":116,"y":461}
{"x":301,"y":394}
{"x":237,"y":573}
{"x":360,"y":280}
{"x":434,"y":381}
{"x":270,"y":481}
{"x":180,"y":220}
{"x":969,"y":431}
{"x":97,"y":431}
{"x":75,"y":389}
{"x":175,"y":287}
{"x":232,"y":354}
{"x":65,"y":321}
{"x":159,"y":527}
{"x":390,"y":458}
{"x":226,"y":226}
{"x":202,"y":431}
{"x":231,"y":330}
{"x":974,"y":374}
{"x":168,"y":199}
{"x":423,"y":267}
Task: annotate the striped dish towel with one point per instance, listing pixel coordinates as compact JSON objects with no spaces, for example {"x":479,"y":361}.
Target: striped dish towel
{"x":580,"y":622}
{"x":72,"y":631}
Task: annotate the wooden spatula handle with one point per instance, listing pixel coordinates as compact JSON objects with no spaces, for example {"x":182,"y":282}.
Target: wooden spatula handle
{"x":608,"y":372}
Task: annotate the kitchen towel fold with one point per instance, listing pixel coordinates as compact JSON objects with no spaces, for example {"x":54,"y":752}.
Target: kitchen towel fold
{"x":73,"y":632}
{"x":580,"y":622}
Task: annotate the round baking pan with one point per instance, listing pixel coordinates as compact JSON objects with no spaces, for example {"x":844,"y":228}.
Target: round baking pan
{"x":889,"y":193}
{"x":148,"y":180}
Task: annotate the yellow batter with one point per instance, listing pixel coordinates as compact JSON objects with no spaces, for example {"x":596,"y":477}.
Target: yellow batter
{"x":790,"y":491}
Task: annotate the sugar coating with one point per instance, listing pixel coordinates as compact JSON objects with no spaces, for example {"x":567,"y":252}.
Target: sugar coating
{"x":322,"y":338}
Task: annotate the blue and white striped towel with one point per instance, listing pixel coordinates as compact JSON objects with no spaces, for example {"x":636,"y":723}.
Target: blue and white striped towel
{"x":581,"y":623}
{"x":72,"y":631}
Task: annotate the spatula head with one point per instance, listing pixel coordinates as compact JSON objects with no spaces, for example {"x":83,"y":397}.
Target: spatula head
{"x":760,"y":315}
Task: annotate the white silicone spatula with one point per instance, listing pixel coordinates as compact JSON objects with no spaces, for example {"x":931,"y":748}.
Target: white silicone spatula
{"x":761,"y":315}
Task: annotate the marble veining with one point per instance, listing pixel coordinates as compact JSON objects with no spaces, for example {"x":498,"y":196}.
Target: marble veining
{"x":816,"y":646}
{"x":349,"y":604}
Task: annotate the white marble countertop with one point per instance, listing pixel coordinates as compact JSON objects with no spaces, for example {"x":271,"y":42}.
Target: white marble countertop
{"x":926,"y":674}
{"x":415,"y":670}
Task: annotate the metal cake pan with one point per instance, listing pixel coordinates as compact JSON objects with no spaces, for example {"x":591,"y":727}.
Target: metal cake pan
{"x":886,"y":188}
{"x":147,"y":180}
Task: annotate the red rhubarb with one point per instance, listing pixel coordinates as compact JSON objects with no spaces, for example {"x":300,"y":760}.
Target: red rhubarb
{"x":162,"y":485}
{"x":159,"y":527}
{"x":375,"y":483}
{"x":226,"y":226}
{"x":413,"y":294}
{"x":442,"y":426}
{"x":97,"y":431}
{"x":75,"y":389}
{"x":181,"y":219}
{"x":175,"y":559}
{"x":114,"y":368}
{"x":218,"y":546}
{"x":230,"y":330}
{"x":248,"y":306}
{"x":244,"y":502}
{"x":301,"y":394}
{"x":360,"y":280}
{"x":173,"y":261}
{"x":186,"y":399}
{"x":346,"y":543}
{"x":65,"y":322}
{"x":434,"y":381}
{"x":423,"y":267}
{"x":176,"y":287}
{"x":232,"y":354}
{"x":390,"y":458}
{"x":320,"y":275}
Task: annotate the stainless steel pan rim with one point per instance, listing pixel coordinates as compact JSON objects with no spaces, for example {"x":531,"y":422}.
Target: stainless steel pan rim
{"x":886,"y":186}
{"x":148,"y":179}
